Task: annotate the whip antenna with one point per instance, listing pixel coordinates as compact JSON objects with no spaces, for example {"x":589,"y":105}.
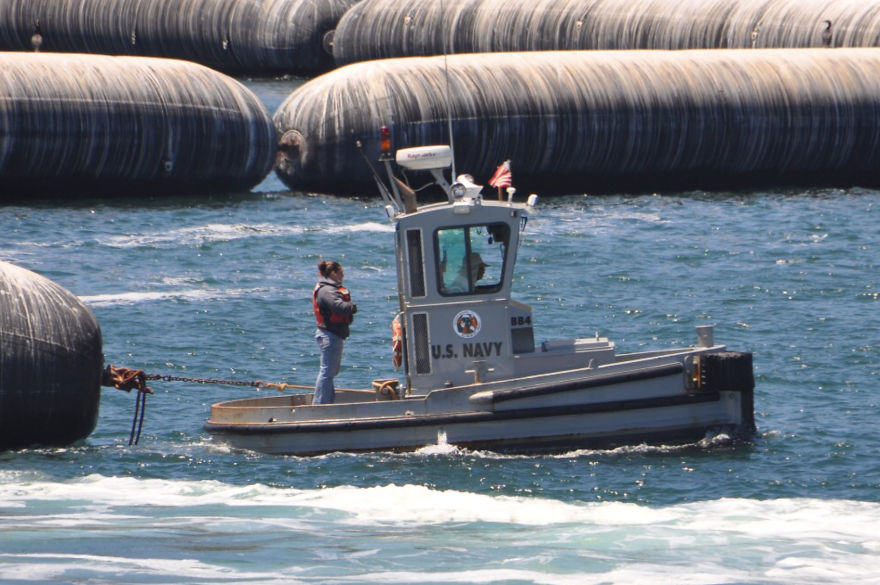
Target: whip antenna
{"x":448,"y":94}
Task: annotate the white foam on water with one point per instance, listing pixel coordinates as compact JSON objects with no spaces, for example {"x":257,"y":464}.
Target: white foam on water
{"x":419,"y":504}
{"x":367,"y":226}
{"x":441,"y":447}
{"x":648,"y":574}
{"x":200,"y":235}
{"x":798,"y":540}
{"x":438,"y":449}
{"x":474,"y":576}
{"x":55,"y":566}
{"x":134,"y":298}
{"x":99,"y":492}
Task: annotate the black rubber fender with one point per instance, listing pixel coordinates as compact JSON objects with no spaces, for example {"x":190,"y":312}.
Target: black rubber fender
{"x":99,"y":125}
{"x":598,"y":121}
{"x":234,"y":36}
{"x":50,"y":364}
{"x":382,"y":29}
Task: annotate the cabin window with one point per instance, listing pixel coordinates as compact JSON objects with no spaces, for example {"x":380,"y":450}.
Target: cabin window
{"x":416,"y":263}
{"x":470,"y":259}
{"x":420,"y":337}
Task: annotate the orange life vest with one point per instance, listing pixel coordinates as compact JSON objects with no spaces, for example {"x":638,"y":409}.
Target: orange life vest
{"x":333,"y":318}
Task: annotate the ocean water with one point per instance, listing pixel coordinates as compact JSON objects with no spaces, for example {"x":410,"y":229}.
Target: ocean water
{"x":218,"y":287}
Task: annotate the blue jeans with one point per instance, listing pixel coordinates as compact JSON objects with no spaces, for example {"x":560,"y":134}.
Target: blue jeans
{"x":331,"y":359}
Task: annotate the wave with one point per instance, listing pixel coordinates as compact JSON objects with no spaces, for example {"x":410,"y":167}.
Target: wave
{"x":200,"y":235}
{"x":133,"y":298}
{"x":710,"y":442}
{"x":53,"y":567}
{"x":194,"y":236}
{"x":418,"y":504}
{"x":365,"y":227}
{"x":187,"y":532}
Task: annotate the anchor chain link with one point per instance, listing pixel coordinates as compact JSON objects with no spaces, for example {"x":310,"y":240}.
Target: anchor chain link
{"x":280,"y":386}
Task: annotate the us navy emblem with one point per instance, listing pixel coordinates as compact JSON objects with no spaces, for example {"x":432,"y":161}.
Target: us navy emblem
{"x":466,"y":323}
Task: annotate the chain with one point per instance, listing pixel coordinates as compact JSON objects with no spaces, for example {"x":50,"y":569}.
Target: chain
{"x":130,"y":379}
{"x":253,"y":383}
{"x":167,"y":378}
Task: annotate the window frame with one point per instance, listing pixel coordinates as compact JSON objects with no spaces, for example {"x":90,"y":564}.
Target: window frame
{"x":493,"y":230}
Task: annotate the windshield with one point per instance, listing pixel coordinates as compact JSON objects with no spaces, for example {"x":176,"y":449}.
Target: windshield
{"x":471,"y":258}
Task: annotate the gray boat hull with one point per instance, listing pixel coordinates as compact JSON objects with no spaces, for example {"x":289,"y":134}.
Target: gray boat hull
{"x":650,"y":400}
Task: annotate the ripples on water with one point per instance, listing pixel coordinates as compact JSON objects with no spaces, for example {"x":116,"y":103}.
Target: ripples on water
{"x":219,"y":287}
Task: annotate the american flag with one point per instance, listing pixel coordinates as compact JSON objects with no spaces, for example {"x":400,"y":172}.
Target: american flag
{"x":502,"y":177}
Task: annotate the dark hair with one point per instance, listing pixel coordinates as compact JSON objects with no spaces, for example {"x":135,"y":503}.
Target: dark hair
{"x":325,"y":267}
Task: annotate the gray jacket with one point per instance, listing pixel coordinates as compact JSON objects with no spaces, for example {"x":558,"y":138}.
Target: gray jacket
{"x":334,"y":310}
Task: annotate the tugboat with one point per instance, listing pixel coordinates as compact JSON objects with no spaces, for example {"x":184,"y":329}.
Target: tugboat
{"x":473,"y":375}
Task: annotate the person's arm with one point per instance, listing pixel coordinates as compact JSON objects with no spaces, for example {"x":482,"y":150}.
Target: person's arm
{"x":340,"y":306}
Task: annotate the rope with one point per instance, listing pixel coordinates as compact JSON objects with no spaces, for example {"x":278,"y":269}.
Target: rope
{"x":140,"y":403}
{"x":128,"y":380}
